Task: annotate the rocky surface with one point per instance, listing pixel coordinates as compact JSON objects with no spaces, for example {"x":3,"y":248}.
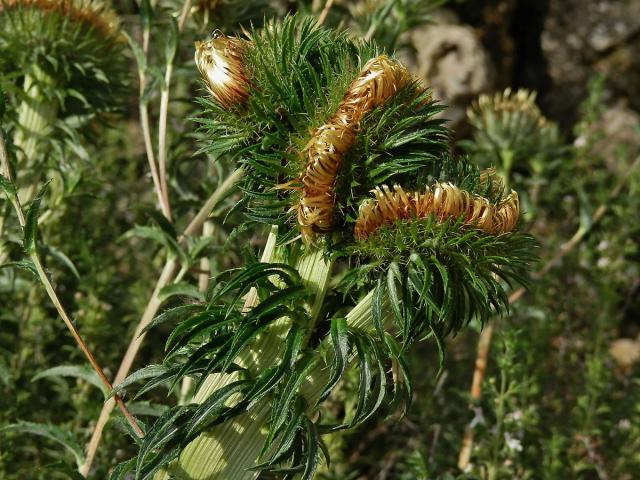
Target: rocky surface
{"x":582,"y":37}
{"x":557,"y":46}
{"x":450,"y":59}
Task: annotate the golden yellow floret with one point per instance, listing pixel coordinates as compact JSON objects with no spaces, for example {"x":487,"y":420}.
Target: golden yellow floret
{"x":378,"y":81}
{"x":221,"y":64}
{"x":443,"y":201}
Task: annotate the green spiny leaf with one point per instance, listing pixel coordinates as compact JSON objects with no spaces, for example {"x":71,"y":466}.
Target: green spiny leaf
{"x":52,"y":432}
{"x":8,"y":187}
{"x":180,"y":289}
{"x":340,"y":339}
{"x":31,"y":221}
{"x":208,"y":411}
{"x":78,"y":371}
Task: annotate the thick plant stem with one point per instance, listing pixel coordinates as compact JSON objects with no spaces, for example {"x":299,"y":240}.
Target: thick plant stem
{"x":36,"y":116}
{"x":230,"y":449}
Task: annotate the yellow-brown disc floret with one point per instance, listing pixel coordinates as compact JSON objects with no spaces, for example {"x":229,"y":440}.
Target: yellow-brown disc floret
{"x":378,"y":81}
{"x":443,"y":201}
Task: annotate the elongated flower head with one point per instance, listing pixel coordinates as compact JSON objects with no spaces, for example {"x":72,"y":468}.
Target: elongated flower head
{"x":380,"y":79}
{"x":221,"y":64}
{"x":443,"y":247}
{"x":443,"y":201}
{"x":324,"y":120}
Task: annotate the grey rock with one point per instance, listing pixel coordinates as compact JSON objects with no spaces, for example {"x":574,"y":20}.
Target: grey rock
{"x":453,"y":62}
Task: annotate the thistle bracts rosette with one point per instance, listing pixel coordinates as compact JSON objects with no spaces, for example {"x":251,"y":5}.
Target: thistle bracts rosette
{"x":325,"y":123}
{"x":380,"y":79}
{"x":444,"y":249}
{"x":67,"y":58}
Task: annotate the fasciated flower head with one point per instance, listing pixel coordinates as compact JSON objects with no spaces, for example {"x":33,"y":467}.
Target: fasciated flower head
{"x":379,"y":80}
{"x":443,"y":201}
{"x":443,"y":249}
{"x":328,"y":119}
{"x":221,"y":64}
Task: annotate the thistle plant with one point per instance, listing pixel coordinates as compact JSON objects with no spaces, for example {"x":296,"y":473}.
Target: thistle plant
{"x":63,"y":64}
{"x":63,"y":68}
{"x":346,"y":167}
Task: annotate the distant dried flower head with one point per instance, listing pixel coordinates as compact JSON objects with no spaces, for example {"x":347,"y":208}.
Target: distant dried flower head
{"x":379,"y":80}
{"x":521,"y":104}
{"x":221,"y":64}
{"x":511,"y":120}
{"x":93,"y":13}
{"x":443,"y":201}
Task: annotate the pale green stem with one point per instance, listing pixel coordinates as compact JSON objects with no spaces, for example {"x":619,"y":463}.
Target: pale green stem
{"x":506,"y":157}
{"x":162,"y":139}
{"x":229,"y":449}
{"x":358,"y":318}
{"x":35,"y":121}
{"x":36,"y":116}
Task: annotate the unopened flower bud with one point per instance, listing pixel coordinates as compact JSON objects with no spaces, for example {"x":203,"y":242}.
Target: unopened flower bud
{"x":221,"y":64}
